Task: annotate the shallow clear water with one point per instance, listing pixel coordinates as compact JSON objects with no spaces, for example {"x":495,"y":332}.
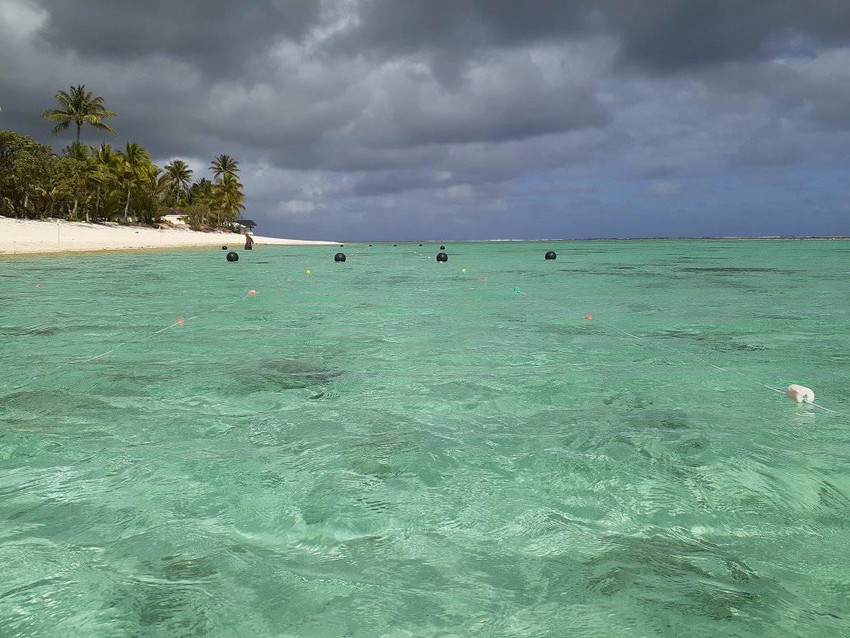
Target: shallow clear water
{"x":392,"y":446}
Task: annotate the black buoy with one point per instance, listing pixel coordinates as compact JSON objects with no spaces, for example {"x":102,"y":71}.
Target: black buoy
{"x":442,"y":247}
{"x":224,"y":247}
{"x":342,"y":245}
{"x":370,"y":245}
{"x":420,"y":244}
{"x":442,"y":257}
{"x":232,"y":256}
{"x":551,"y":255}
{"x":395,"y":245}
{"x":339,"y":257}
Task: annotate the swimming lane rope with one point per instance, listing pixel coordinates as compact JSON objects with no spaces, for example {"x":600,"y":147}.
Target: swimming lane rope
{"x":8,"y":389}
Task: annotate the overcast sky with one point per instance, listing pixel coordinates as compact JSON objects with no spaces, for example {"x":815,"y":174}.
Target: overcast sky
{"x":439,"y":119}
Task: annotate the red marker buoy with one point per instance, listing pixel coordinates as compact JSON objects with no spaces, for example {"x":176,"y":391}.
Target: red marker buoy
{"x":252,"y":292}
{"x":588,"y":317}
{"x":181,"y":320}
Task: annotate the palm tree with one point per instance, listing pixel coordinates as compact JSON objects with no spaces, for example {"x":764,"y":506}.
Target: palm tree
{"x":105,"y":155}
{"x":77,"y":156}
{"x":154,"y":185}
{"x":224,"y":165}
{"x":93,"y":177}
{"x":228,"y":199}
{"x":136,"y":162}
{"x":109,"y":165}
{"x":80,"y":107}
{"x":199,"y":200}
{"x":181,"y":177}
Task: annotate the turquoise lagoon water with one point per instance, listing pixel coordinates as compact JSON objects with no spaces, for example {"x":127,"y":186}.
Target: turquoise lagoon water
{"x":395,"y":447}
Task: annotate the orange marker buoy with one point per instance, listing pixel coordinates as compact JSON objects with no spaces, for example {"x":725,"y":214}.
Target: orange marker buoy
{"x":252,"y":292}
{"x":588,"y":317}
{"x":181,"y":320}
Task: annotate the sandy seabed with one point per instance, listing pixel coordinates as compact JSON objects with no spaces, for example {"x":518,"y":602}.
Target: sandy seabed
{"x":27,"y":236}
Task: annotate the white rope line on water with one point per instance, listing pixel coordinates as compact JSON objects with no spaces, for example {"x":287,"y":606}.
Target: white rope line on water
{"x":8,"y":389}
{"x":682,"y":353}
{"x":30,"y":329}
{"x":35,"y":327}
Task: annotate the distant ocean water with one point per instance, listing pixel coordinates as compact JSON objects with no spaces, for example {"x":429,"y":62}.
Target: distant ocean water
{"x":391,"y":446}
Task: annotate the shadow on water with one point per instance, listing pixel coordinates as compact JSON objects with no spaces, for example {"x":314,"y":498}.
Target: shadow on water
{"x":776,"y":317}
{"x":17,"y":331}
{"x":40,"y":402}
{"x":717,"y":341}
{"x":834,"y":504}
{"x":674,"y":570}
{"x":657,"y":420}
{"x":718,"y":270}
{"x":678,"y":573}
{"x":170,"y":596}
{"x":620,"y":271}
{"x":277,"y":375}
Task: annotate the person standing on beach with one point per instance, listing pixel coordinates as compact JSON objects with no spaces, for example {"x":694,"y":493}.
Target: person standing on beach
{"x":249,"y":242}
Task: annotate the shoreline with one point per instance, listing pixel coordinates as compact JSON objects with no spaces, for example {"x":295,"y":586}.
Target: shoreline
{"x":29,"y":237}
{"x":22,"y":237}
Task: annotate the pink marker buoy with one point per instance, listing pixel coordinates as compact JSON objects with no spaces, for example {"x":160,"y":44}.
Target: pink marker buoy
{"x":252,"y":293}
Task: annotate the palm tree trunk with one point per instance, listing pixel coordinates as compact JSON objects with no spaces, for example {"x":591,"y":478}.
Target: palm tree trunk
{"x":127,"y":205}
{"x":79,"y":126}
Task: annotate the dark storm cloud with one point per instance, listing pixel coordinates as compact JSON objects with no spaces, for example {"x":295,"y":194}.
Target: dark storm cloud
{"x":222,"y":37}
{"x":661,"y":35}
{"x":667,"y":36}
{"x":386,"y":183}
{"x":410,"y":25}
{"x":380,"y":115}
{"x":522,"y":111}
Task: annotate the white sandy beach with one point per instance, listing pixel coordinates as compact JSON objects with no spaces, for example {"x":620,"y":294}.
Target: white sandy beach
{"x":26,"y":236}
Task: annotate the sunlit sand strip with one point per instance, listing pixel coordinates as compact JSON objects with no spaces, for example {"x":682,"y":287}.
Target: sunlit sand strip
{"x":23,"y":236}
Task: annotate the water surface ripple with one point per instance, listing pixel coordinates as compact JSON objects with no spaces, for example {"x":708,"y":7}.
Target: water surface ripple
{"x":396,"y":447}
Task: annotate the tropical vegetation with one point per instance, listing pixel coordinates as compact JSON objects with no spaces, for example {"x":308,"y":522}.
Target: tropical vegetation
{"x":106,"y":183}
{"x":79,"y":107}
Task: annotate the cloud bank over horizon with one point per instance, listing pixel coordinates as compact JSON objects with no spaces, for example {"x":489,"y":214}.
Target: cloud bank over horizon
{"x":418,"y":119}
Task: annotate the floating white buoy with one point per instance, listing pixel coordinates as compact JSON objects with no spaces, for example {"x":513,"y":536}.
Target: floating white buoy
{"x":800,"y":393}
